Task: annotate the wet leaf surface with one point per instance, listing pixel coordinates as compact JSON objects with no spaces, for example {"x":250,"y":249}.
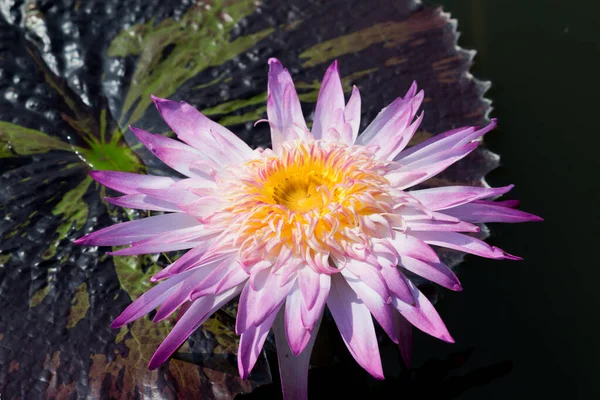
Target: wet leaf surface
{"x":74,"y":74}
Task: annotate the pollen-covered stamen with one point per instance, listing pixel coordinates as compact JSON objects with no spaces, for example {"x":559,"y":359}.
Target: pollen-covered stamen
{"x":316,"y":198}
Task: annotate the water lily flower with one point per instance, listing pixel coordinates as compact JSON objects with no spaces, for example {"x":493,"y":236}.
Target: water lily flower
{"x":325,"y":217}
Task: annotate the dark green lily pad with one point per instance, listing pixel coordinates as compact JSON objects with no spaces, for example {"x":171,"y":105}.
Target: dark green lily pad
{"x":74,"y":74}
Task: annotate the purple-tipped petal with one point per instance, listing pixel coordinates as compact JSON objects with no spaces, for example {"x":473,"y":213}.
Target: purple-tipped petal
{"x":484,"y":212}
{"x":259,"y":298}
{"x":149,"y":300}
{"x":128,"y":183}
{"x":369,"y":275}
{"x":379,"y":307}
{"x":197,"y":313}
{"x":412,"y":246}
{"x":505,"y":203}
{"x":308,"y":280}
{"x":398,"y":131}
{"x":423,"y":315}
{"x":136,"y":249}
{"x":170,"y":241}
{"x":396,"y":282}
{"x":452,"y":196}
{"x":435,"y":272}
{"x":354,"y":322}
{"x":297,"y":335}
{"x":184,"y":291}
{"x":201,"y":255}
{"x":204,"y":206}
{"x":226,"y":274}
{"x":330,"y":99}
{"x":133,"y":231}
{"x":283,"y":106}
{"x":139,"y":201}
{"x":352,"y":116}
{"x":420,"y":170}
{"x":175,"y":154}
{"x":251,"y":344}
{"x":293,"y":369}
{"x":464,"y":243}
{"x":274,"y":294}
{"x":387,"y":115}
{"x":215,"y":141}
{"x":444,"y":141}
{"x":309,"y":317}
{"x":248,"y":302}
{"x":442,"y":226}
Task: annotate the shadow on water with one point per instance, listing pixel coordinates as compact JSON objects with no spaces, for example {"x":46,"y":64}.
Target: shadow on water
{"x":437,"y":378}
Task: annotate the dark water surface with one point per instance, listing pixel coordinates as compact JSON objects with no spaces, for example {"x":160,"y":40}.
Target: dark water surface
{"x":541,"y":314}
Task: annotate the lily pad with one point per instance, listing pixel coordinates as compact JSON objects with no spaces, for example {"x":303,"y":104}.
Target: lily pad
{"x":75,"y":73}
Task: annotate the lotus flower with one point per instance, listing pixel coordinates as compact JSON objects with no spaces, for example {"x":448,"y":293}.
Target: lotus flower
{"x":325,"y":217}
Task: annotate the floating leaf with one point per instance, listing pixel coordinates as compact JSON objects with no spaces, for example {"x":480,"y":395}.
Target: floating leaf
{"x":75,"y":73}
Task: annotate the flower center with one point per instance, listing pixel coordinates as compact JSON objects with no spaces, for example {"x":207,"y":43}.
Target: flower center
{"x":306,"y":177}
{"x":300,"y":193}
{"x":313,"y":198}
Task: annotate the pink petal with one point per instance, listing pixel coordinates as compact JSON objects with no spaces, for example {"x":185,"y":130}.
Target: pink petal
{"x":175,"y":194}
{"x":370,"y":275}
{"x":178,"y":197}
{"x":308,"y":280}
{"x":128,"y":183}
{"x":460,"y":242}
{"x":435,"y":272}
{"x":423,"y":315}
{"x":149,"y":300}
{"x":330,"y":99}
{"x":379,"y":308}
{"x":197,"y":313}
{"x":441,"y":226}
{"x":439,"y":143}
{"x":175,"y":154}
{"x":309,"y":317}
{"x":210,"y":138}
{"x":182,"y":293}
{"x":478,"y":213}
{"x":251,"y":344}
{"x":170,"y":241}
{"x":354,"y":322}
{"x":136,"y":249}
{"x":195,"y":258}
{"x":389,"y":113}
{"x":297,"y":335}
{"x":204,"y":206}
{"x":395,"y":135}
{"x":248,"y":302}
{"x":352,"y":116}
{"x":139,"y":201}
{"x":293,"y":369}
{"x":423,"y":169}
{"x":412,"y":246}
{"x":442,"y":198}
{"x":133,"y":231}
{"x":505,"y":203}
{"x":396,"y":282}
{"x":283,"y":107}
{"x":258,"y":302}
{"x":225,"y":276}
